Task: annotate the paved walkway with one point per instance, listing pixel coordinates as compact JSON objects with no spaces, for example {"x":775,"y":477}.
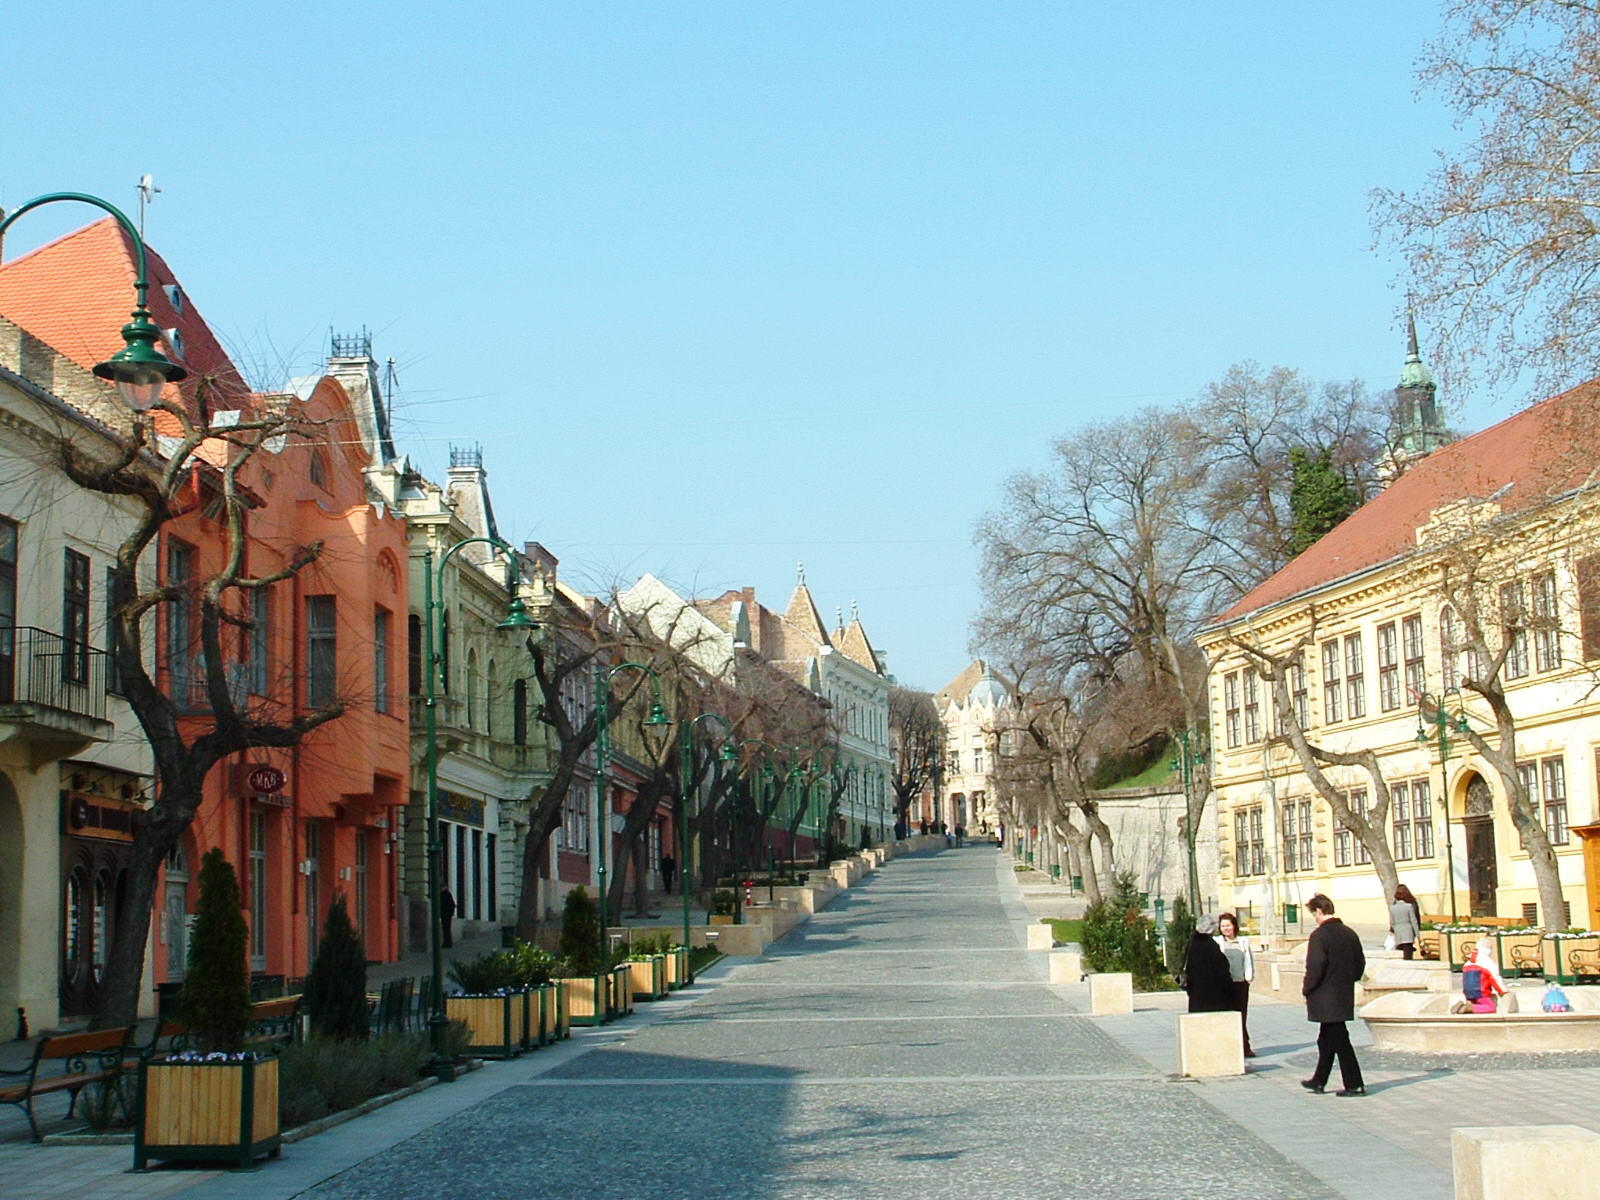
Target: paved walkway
{"x":900,"y":1044}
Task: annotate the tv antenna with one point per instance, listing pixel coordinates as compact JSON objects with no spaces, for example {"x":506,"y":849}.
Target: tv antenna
{"x":147,"y":192}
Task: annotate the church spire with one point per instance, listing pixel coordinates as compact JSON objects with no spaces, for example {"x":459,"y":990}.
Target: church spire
{"x":1418,"y":430}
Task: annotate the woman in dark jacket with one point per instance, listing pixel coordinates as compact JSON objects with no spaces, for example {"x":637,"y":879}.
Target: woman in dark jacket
{"x":1205,"y":970}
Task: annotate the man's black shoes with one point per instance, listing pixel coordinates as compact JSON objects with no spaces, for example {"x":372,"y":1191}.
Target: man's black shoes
{"x":1311,"y":1085}
{"x":1355,"y":1091}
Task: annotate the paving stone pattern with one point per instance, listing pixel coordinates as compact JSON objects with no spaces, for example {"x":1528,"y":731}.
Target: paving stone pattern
{"x":900,"y":1044}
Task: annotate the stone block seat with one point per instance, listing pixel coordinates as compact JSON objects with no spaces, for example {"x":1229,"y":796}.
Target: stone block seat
{"x":1422,"y":1021}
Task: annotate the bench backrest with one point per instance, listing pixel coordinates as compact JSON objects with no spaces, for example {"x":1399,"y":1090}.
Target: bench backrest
{"x":274,"y":1010}
{"x":96,"y":1041}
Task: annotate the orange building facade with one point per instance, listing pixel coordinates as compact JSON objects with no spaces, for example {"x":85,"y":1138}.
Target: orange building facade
{"x":299,"y":825}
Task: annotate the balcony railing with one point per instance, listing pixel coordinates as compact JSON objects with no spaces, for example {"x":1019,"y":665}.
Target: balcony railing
{"x":43,"y":668}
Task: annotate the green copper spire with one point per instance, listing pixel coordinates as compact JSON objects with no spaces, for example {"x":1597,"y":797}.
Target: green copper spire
{"x":1413,"y":373}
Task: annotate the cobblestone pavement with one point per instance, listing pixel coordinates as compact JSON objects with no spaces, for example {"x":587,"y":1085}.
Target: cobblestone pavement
{"x":900,"y":1044}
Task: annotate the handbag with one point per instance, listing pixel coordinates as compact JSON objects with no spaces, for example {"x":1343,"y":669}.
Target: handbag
{"x":1388,"y":942}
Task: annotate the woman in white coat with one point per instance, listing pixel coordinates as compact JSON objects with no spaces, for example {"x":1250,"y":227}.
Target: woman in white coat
{"x":1241,"y":969}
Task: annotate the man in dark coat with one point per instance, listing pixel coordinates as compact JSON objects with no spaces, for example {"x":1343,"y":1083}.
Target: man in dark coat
{"x":1205,"y":970}
{"x":1334,"y":964}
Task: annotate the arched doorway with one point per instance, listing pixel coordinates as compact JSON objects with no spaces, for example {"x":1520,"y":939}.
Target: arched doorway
{"x":1482,"y":867}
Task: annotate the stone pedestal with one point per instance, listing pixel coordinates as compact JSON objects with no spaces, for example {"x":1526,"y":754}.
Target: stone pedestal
{"x":1210,"y":1044}
{"x":1041,"y":936}
{"x":1066,"y":966}
{"x":1525,"y":1162}
{"x":1111,"y":995}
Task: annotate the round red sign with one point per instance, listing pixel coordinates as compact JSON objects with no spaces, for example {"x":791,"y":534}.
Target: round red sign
{"x":267,"y":779}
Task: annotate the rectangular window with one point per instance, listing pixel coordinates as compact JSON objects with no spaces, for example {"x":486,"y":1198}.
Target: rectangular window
{"x":313,"y":838}
{"x":1411,"y":648}
{"x":259,"y":633}
{"x":1298,"y":695}
{"x":490,"y":867}
{"x":113,"y":638}
{"x":1587,"y":571}
{"x":1546,"y":623}
{"x":1400,"y":818}
{"x":75,"y":618}
{"x":1308,"y":848}
{"x":1388,"y":667}
{"x":1252,"y":706}
{"x":1421,"y":819}
{"x":8,"y":608}
{"x":380,"y":660}
{"x":360,"y":885}
{"x":1513,"y":628}
{"x":1258,"y":854}
{"x":320,"y":662}
{"x":1553,"y":775}
{"x":1347,"y":847}
{"x":1332,"y":685}
{"x":180,"y":625}
{"x":1450,"y":647}
{"x":414,"y":654}
{"x":1528,"y":777}
{"x":258,"y":890}
{"x":1241,"y":842}
{"x":1355,"y":677}
{"x":977,"y":762}
{"x":477,"y":875}
{"x":1230,"y":707}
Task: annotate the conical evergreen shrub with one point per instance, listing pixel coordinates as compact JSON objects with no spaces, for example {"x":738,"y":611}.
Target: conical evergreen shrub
{"x":336,"y":989}
{"x":216,"y":989}
{"x":580,"y":933}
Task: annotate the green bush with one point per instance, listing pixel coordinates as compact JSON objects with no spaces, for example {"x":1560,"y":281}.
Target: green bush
{"x":724,"y":902}
{"x":322,"y":1076}
{"x":336,"y":989}
{"x":1118,"y":937}
{"x":524,"y":965}
{"x":216,"y":989}
{"x":580,"y":934}
{"x":1180,"y":928}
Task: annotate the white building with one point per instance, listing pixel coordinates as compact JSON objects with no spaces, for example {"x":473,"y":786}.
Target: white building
{"x":974,"y":708}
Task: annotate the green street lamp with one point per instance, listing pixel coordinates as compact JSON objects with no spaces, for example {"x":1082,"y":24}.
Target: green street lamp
{"x":730,"y":754}
{"x":1187,"y":756}
{"x":139,"y":369}
{"x":432,"y":619}
{"x":657,"y":723}
{"x":1443,"y":726}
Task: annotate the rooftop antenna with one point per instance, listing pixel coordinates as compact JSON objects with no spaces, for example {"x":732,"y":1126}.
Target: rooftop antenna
{"x":147,"y":192}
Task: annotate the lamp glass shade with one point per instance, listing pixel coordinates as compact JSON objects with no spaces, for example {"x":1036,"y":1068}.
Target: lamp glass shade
{"x":140,"y":388}
{"x":139,"y":369}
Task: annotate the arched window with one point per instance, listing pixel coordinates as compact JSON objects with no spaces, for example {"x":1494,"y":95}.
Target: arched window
{"x":472,"y":689}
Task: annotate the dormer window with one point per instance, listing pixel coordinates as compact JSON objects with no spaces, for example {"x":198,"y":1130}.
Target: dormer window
{"x":174,"y":295}
{"x":174,"y":341}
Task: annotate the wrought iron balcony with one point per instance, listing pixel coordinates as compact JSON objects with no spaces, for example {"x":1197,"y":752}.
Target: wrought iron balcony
{"x":53,"y":690}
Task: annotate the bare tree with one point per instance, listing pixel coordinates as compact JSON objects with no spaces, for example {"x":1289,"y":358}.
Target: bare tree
{"x":191,"y":723}
{"x":1500,"y":243}
{"x":917,"y":736}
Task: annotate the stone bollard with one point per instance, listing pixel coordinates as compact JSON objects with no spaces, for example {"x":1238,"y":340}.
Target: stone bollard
{"x":1209,"y":1044}
{"x":1066,"y":966}
{"x":1111,"y":995}
{"x":1528,"y":1162}
{"x":1041,"y":936}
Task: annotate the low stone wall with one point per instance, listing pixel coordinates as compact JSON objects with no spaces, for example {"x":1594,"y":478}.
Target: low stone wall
{"x":1422,"y":1021}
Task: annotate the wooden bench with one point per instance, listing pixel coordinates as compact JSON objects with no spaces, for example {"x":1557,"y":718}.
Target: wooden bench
{"x":1428,"y":943}
{"x":274,"y":1024}
{"x":1584,"y":962}
{"x":86,"y":1058}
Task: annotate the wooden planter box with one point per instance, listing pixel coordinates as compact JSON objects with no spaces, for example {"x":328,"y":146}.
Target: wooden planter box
{"x":585,"y":999}
{"x":1558,"y":957}
{"x":1455,"y":946}
{"x":1519,"y":952}
{"x":497,"y":1022}
{"x":678,"y":967}
{"x":621,"y":993}
{"x":648,"y":979}
{"x":212,"y":1112}
{"x":722,"y":918}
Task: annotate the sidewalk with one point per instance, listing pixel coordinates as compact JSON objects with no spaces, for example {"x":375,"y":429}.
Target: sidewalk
{"x":1395,"y":1140}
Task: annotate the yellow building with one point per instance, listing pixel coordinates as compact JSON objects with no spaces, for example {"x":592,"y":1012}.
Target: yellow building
{"x":1514,"y":509}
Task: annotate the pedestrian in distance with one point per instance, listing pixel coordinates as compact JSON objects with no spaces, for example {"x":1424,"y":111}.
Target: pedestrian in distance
{"x":1205,"y":970}
{"x":669,"y":872}
{"x":1334,"y":965}
{"x":447,"y":917}
{"x":1235,"y":948}
{"x":1405,"y":921}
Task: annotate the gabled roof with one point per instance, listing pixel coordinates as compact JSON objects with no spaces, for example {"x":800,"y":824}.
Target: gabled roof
{"x":855,"y":646}
{"x":76,"y":292}
{"x":802,"y":614}
{"x":1542,"y":452}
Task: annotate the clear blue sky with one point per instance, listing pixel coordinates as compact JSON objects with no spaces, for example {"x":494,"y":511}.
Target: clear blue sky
{"x":723,"y":286}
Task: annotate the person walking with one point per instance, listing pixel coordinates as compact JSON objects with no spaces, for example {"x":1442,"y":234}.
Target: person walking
{"x":1334,"y":964}
{"x":1205,"y":970}
{"x":1405,"y":921}
{"x":1241,"y":970}
{"x":447,"y":917}
{"x":669,"y":872}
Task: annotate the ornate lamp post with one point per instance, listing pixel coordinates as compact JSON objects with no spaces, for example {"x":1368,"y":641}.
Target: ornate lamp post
{"x":139,"y":370}
{"x":1187,"y":757}
{"x":730,"y":753}
{"x":432,"y":619}
{"x":657,"y":723}
{"x":1443,"y":726}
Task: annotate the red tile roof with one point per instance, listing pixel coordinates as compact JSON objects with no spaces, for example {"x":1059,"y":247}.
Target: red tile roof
{"x":75,"y":294}
{"x":1541,"y":452}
